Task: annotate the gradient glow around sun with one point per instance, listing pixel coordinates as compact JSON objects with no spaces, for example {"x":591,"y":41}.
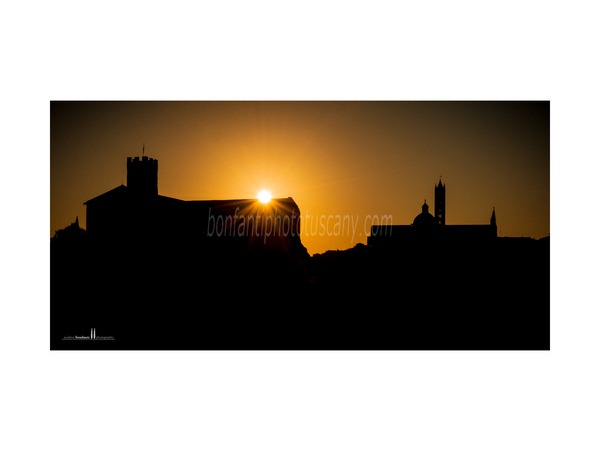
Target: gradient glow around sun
{"x":264,"y":196}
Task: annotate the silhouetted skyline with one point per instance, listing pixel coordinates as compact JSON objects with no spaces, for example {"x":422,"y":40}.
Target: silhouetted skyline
{"x":336,"y":159}
{"x":148,"y":259}
{"x":273,"y":51}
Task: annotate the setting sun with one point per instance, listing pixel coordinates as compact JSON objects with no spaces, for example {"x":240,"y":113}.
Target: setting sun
{"x":264,"y":196}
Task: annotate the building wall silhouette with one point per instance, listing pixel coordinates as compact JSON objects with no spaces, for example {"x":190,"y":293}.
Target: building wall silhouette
{"x":137,"y":213}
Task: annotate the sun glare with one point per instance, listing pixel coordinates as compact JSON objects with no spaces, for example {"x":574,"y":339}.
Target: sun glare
{"x":264,"y":196}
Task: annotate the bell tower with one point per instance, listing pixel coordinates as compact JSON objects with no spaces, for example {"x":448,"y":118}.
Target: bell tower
{"x":440,"y":203}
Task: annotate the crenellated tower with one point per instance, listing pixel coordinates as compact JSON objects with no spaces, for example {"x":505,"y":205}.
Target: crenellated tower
{"x":142,"y":175}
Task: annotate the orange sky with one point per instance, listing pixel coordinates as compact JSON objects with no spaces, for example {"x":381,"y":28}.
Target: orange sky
{"x":353,"y":161}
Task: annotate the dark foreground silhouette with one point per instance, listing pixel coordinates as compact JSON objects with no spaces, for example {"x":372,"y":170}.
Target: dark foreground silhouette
{"x":128,"y":295}
{"x":492,"y":296}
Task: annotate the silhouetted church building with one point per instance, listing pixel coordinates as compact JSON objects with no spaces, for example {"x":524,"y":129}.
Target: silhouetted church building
{"x":427,"y":228}
{"x":138,"y":213}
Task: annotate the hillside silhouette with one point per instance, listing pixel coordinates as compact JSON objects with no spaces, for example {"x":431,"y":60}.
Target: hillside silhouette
{"x":450,"y":297}
{"x":360,"y":298}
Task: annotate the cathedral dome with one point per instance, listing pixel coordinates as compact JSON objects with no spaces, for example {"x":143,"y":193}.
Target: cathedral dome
{"x":425,"y":218}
